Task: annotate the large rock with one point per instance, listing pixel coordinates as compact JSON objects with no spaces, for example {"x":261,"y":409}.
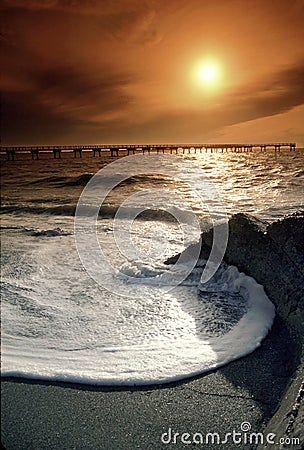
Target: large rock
{"x":273,"y":254}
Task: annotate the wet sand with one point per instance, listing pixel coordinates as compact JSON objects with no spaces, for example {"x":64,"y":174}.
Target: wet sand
{"x":41,"y":415}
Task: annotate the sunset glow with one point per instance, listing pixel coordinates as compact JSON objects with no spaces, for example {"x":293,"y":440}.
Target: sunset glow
{"x":130,"y":71}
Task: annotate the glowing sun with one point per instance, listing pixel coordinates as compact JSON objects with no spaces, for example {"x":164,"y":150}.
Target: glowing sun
{"x":207,"y":75}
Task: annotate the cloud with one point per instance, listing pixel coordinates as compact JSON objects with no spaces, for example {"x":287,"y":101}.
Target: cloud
{"x":135,"y":27}
{"x":76,"y":6}
{"x":278,"y":93}
{"x":66,"y":101}
{"x":279,"y":128}
{"x":70,"y":93}
{"x":76,"y":65}
{"x":25,"y":120}
{"x":131,"y":21}
{"x":272,"y":96}
{"x":29,"y":4}
{"x":73,"y":85}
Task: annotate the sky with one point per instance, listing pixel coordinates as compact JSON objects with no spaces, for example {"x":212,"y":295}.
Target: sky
{"x":132,"y":71}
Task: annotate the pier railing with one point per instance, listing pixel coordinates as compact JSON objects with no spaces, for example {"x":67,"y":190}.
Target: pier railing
{"x":121,"y":149}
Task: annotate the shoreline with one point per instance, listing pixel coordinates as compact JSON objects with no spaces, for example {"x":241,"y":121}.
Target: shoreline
{"x":58,"y":415}
{"x":262,"y":388}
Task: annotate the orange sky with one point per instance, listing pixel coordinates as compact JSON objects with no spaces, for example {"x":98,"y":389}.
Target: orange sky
{"x":89,"y":71}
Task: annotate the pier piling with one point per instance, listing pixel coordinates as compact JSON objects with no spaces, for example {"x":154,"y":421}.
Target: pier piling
{"x":57,"y":151}
{"x":35,"y":153}
{"x":77,"y":150}
{"x":10,"y":155}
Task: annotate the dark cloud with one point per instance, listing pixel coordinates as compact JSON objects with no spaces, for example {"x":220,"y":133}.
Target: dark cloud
{"x":274,"y":95}
{"x":63,"y":98}
{"x":77,"y":6}
{"x":124,"y":19}
{"x":75,"y":89}
{"x":25,"y":120}
{"x":136,"y":26}
{"x":68,"y":25}
{"x":49,"y":92}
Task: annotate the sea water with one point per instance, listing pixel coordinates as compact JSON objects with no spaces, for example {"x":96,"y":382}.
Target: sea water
{"x":59,"y":323}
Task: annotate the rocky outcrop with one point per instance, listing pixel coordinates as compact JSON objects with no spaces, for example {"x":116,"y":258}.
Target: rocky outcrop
{"x":287,"y":422}
{"x":273,"y":254}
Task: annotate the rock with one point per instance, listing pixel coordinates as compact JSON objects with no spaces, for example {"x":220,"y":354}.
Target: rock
{"x":273,"y":254}
{"x":287,"y":422}
{"x":289,"y":235}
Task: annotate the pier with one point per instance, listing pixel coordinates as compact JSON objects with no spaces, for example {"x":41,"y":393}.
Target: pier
{"x":116,"y":150}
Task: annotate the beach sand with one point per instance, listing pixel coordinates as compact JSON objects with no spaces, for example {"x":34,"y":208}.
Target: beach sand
{"x":43,"y":415}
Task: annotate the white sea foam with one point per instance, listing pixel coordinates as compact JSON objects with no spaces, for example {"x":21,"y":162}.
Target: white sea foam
{"x":59,"y":325}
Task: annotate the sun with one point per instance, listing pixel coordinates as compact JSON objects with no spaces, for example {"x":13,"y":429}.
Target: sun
{"x":207,"y":75}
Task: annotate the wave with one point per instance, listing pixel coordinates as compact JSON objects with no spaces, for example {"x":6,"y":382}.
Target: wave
{"x":52,"y":232}
{"x":155,"y":179}
{"x":105,"y":212}
{"x":54,"y":179}
{"x":82,"y":180}
{"x":63,"y":210}
{"x":62,"y":181}
{"x":299,"y":174}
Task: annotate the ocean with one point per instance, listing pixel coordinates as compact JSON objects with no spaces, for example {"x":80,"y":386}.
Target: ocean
{"x":86,"y":294}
